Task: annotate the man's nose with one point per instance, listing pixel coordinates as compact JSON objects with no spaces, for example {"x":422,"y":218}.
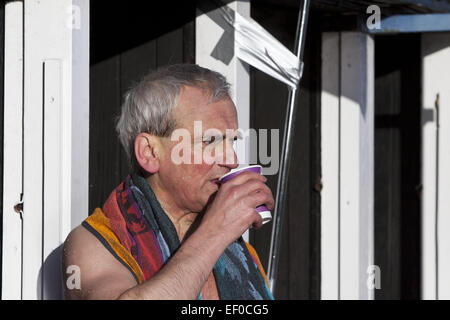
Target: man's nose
{"x":229,"y":158}
{"x":235,"y":163}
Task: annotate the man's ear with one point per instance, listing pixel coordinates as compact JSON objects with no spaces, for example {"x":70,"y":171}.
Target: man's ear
{"x":146,"y":149}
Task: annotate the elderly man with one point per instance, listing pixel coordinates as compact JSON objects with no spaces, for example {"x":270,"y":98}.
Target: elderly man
{"x":170,"y":230}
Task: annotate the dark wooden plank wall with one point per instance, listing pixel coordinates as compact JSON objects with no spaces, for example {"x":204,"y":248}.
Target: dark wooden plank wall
{"x":126,"y":43}
{"x":397,"y":165}
{"x":299,"y":267}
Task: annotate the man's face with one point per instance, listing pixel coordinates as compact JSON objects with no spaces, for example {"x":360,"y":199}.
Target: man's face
{"x":204,"y":140}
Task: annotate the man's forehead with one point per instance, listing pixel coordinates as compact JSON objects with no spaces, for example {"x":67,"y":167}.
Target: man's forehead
{"x":194,"y":106}
{"x":202,"y":128}
{"x":193,"y":99}
{"x":215,"y":131}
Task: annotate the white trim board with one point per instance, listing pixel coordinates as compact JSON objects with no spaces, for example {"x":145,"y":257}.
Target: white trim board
{"x":12,"y":152}
{"x":330,"y":110}
{"x":435,"y":166}
{"x":347,"y":165}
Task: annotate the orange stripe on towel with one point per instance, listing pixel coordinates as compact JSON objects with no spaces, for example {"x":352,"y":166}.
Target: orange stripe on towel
{"x":255,"y":257}
{"x":100,"y":223}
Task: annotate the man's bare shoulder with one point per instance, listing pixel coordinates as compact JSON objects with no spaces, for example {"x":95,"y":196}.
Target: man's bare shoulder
{"x":79,"y":238}
{"x":102,"y":276}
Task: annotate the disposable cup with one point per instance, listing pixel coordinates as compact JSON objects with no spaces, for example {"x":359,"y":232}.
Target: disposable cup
{"x":262,"y":209}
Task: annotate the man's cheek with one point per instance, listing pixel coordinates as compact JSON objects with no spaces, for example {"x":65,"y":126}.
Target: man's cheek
{"x":209,"y":160}
{"x":181,"y":154}
{"x":219,"y":153}
{"x":201,"y":171}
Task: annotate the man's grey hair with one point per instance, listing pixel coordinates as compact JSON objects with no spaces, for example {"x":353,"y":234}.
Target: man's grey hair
{"x":148,"y":105}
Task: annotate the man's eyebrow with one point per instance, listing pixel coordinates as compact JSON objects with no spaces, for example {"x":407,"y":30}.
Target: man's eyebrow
{"x":236,"y":134}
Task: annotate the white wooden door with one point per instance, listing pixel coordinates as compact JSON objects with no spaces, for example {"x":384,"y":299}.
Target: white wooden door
{"x":47,"y":141}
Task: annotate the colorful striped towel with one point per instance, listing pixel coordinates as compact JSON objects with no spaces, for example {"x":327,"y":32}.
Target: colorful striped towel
{"x":135,"y":229}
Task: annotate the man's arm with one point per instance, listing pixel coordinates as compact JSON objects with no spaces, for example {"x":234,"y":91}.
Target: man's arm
{"x":104,"y":277}
{"x":186,"y":272}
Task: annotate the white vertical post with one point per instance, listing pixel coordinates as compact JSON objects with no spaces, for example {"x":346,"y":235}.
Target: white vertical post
{"x":55,"y":138}
{"x":356,"y":164}
{"x":79,"y":197}
{"x":348,"y":196}
{"x":330,"y":131}
{"x":208,"y":34}
{"x":435,"y":165}
{"x":53,"y":170}
{"x":12,"y":152}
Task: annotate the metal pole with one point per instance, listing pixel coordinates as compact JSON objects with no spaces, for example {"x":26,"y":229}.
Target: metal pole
{"x":436,"y":223}
{"x":280,"y":201}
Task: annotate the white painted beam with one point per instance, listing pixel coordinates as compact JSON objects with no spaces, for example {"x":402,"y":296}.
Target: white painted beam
{"x":435,"y":166}
{"x":79,"y":181}
{"x":356,"y":164}
{"x":330,"y":130}
{"x":12,"y":152}
{"x":347,"y":164}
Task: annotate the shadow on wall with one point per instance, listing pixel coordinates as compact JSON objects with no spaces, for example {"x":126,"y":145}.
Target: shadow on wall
{"x":49,"y":286}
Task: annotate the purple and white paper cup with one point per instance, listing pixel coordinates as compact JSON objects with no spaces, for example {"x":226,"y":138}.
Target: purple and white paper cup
{"x":262,"y":210}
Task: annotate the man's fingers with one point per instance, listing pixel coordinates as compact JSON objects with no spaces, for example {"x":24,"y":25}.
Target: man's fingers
{"x":243,"y":194}
{"x":261,"y":198}
{"x":258,"y":221}
{"x":250,"y":186}
{"x":244,"y":177}
{"x":254,"y":192}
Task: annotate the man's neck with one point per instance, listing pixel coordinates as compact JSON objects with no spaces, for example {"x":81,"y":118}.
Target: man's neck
{"x":181,"y":219}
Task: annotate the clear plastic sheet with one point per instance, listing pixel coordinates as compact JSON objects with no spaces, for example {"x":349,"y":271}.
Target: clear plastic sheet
{"x":257,"y":47}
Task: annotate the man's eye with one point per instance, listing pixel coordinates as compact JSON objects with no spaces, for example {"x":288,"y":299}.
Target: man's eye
{"x":209,"y":140}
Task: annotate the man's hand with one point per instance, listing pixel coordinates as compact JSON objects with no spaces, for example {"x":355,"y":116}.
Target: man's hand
{"x":232,"y":211}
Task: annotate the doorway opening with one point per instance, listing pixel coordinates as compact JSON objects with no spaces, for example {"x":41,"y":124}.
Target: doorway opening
{"x":397,"y":165}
